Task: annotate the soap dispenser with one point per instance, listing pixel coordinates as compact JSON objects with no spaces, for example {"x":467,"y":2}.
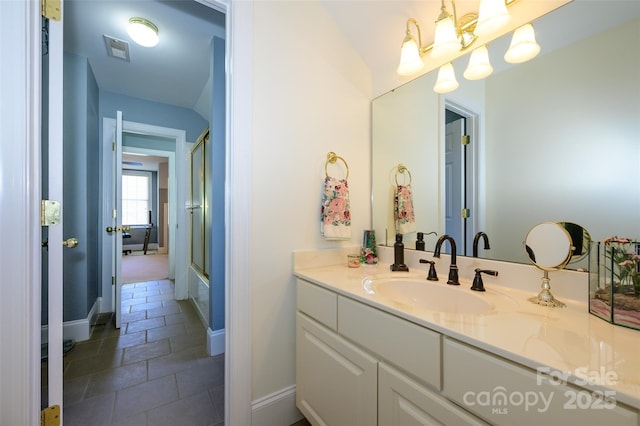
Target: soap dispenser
{"x":420,"y":241}
{"x":398,"y":255}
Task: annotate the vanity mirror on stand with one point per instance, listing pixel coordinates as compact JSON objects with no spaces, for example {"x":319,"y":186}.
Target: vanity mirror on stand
{"x":550,"y":246}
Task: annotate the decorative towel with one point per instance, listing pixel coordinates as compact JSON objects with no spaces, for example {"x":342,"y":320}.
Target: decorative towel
{"x":335,"y":220}
{"x":403,"y":210}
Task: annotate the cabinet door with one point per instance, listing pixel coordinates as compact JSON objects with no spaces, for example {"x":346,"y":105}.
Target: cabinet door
{"x":404,"y":402}
{"x":508,"y":394}
{"x":336,"y":383}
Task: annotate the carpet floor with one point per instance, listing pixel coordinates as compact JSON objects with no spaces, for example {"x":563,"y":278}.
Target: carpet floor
{"x":139,"y":267}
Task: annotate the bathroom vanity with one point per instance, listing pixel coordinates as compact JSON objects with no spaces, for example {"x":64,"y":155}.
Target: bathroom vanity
{"x":371,"y":349}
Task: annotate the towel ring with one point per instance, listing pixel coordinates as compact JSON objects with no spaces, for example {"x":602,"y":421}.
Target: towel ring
{"x":402,"y":170}
{"x":332,"y":157}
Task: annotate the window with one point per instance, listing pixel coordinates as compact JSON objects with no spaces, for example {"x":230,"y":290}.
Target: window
{"x":136,"y":197}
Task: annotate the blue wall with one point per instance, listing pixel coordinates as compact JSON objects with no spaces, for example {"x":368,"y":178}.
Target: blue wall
{"x":81,"y":145}
{"x":154,"y":113}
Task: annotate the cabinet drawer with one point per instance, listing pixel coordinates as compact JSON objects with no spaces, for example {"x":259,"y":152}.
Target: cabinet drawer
{"x":406,"y":345}
{"x":505,"y":393}
{"x":404,"y":402}
{"x":319,"y":303}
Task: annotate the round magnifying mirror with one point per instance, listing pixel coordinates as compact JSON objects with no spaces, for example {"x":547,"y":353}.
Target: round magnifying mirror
{"x":549,"y":246}
{"x":580,"y":239}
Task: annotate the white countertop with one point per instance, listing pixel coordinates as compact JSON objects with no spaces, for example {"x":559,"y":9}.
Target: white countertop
{"x":566,"y":340}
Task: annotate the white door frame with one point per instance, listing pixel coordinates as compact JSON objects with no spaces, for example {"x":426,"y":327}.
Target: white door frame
{"x":20,"y":264}
{"x":20,"y":174}
{"x":177,"y":239}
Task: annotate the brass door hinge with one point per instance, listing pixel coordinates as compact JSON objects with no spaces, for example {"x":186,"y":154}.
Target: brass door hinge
{"x":50,"y":416}
{"x":466,"y":213}
{"x":465,"y":139}
{"x":52,"y":9}
{"x":113,"y":280}
{"x":49,"y":212}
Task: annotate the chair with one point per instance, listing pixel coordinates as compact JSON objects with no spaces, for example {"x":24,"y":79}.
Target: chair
{"x":125,"y":235}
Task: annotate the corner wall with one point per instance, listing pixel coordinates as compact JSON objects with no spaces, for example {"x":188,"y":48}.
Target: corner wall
{"x":311,"y":95}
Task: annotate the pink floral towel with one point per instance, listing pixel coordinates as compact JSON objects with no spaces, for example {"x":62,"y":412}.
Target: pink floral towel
{"x":403,"y":210}
{"x":335,"y":220}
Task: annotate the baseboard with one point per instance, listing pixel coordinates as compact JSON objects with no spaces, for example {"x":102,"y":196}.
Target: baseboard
{"x":215,"y":342}
{"x":276,"y":409}
{"x":76,"y":330}
{"x":140,"y":247}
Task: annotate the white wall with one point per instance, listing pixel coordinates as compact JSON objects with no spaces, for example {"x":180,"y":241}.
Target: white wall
{"x":589,"y":104}
{"x":311,"y":95}
{"x":405,"y":131}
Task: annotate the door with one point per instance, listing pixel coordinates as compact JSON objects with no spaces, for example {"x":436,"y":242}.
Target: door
{"x":455,"y":181}
{"x":116,"y":227}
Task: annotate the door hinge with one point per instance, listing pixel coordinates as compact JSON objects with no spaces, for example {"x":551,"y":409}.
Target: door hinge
{"x":115,"y":213}
{"x":113,"y":280}
{"x":465,"y":139}
{"x":113,"y":146}
{"x":49,"y":212}
{"x":466,"y":213}
{"x":51,"y":9}
{"x":50,"y":416}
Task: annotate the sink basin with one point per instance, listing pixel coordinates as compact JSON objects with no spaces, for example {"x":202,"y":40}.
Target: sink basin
{"x":433,"y":296}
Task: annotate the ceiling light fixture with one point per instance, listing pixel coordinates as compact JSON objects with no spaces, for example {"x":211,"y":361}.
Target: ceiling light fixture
{"x":143,"y":32}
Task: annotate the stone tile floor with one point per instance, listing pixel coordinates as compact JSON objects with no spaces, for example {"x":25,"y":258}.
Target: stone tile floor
{"x":153,"y":371}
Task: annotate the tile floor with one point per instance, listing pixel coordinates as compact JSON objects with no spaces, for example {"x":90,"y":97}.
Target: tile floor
{"x":154,"y":371}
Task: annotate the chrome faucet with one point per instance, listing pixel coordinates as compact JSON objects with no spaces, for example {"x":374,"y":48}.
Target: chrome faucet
{"x":475,"y":242}
{"x":453,"y":268}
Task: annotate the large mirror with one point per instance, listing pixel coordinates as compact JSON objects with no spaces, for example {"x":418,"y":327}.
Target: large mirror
{"x":553,"y":139}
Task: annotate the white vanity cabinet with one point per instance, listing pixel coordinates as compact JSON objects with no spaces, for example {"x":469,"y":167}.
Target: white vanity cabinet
{"x":357,"y":364}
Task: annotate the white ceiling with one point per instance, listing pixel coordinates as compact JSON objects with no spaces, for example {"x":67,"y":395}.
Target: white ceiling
{"x":176,"y":71}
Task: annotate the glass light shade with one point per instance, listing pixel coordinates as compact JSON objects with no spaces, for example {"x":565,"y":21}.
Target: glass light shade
{"x":523,"y":45}
{"x":446,"y":79}
{"x":492,"y":15}
{"x":143,"y":32}
{"x":479,"y":66}
{"x":446,"y":39}
{"x":410,"y":60}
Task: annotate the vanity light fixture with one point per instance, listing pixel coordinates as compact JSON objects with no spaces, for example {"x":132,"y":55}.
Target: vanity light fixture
{"x":479,"y":66}
{"x":452,"y":35}
{"x":143,"y":32}
{"x":492,"y":15}
{"x":523,"y":45}
{"x":446,"y":79}
{"x":411,"y":52}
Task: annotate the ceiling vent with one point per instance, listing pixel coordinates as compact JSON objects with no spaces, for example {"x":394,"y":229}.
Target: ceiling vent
{"x":117,"y":48}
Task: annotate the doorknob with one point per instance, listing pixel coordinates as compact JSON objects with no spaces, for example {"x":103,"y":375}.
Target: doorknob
{"x":110,"y":229}
{"x":70,"y":243}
